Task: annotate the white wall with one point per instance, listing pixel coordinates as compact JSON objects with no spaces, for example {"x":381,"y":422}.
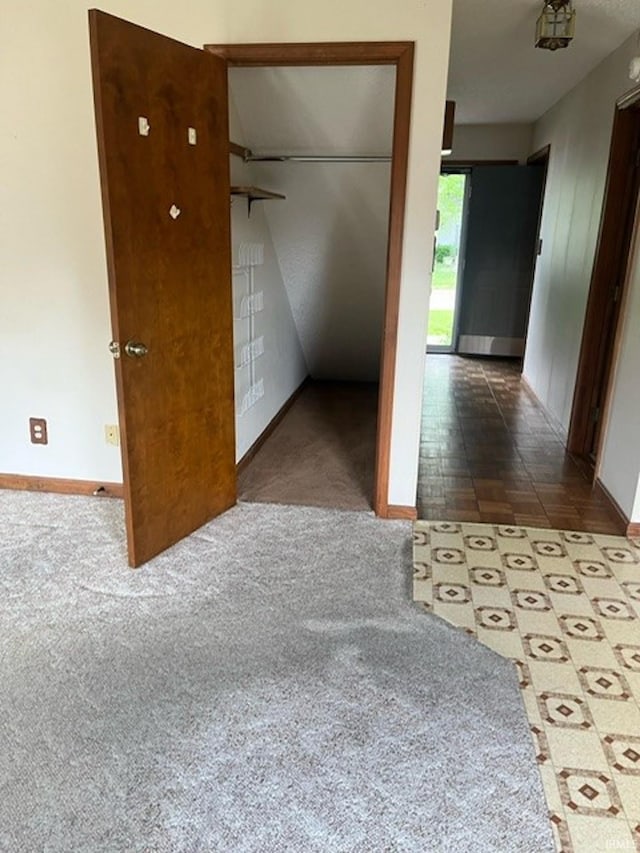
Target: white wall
{"x":491,"y":142}
{"x":331,"y":240}
{"x":282,"y":367}
{"x":578,"y":128}
{"x":54,"y":326}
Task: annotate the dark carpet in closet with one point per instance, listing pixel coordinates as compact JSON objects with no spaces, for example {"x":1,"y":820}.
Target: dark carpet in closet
{"x":322,"y":453}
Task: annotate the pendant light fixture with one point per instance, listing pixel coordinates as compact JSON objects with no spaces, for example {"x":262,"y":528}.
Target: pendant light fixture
{"x":556,"y":25}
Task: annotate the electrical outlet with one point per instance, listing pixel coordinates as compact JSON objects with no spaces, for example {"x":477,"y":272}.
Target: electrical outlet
{"x":38,"y":431}
{"x":112,"y":434}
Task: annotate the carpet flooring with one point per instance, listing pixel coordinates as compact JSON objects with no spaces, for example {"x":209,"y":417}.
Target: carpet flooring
{"x":266,"y":684}
{"x":565,"y":606}
{"x":322,"y":453}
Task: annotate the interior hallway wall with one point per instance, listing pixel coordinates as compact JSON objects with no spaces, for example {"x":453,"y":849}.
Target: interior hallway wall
{"x":281,"y":368}
{"x":578,"y":128}
{"x":54,"y":323}
{"x":491,"y":142}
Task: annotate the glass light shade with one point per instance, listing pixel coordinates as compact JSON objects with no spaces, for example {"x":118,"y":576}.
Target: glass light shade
{"x":556,"y":25}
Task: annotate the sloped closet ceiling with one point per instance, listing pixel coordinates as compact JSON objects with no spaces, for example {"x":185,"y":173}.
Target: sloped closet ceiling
{"x":330,"y":235}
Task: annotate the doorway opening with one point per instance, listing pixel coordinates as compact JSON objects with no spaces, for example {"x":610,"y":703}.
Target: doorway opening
{"x":400,"y":57}
{"x":485,"y":254}
{"x":317,"y":144}
{"x":448,"y":262}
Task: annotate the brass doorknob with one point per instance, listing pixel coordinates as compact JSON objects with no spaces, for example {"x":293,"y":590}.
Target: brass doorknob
{"x":134,"y":349}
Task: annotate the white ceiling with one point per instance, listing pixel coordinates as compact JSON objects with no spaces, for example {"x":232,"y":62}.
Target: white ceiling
{"x":497,"y":76}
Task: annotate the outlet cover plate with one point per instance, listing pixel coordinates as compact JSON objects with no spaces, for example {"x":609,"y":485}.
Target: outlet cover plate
{"x":38,"y":431}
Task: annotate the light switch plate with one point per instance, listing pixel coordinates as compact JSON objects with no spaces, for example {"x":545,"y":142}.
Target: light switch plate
{"x":112,"y":435}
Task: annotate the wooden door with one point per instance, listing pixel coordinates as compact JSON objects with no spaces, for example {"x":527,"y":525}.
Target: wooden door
{"x":163,"y":139}
{"x":608,"y":281}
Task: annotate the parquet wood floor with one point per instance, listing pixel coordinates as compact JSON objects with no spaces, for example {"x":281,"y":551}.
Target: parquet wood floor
{"x":489,"y":453}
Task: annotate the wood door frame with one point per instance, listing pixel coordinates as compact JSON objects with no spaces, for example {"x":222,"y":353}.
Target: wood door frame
{"x":400,"y":55}
{"x":540,"y":158}
{"x":608,"y":281}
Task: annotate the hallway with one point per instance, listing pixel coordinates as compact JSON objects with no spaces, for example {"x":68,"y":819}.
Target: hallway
{"x":489,"y":453}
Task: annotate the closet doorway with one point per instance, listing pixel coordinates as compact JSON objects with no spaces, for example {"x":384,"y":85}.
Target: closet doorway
{"x":319,"y":133}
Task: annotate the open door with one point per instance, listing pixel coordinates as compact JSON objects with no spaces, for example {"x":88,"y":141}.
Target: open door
{"x":163,"y":140}
{"x":608,"y":284}
{"x":502,"y":235}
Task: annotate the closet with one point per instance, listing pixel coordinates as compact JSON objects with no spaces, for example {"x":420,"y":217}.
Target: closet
{"x":310,"y":161}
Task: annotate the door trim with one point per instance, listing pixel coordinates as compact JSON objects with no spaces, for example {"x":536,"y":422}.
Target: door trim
{"x":610,"y":265}
{"x":403,"y":513}
{"x":542,"y":159}
{"x":399,"y":54}
{"x":470,"y":163}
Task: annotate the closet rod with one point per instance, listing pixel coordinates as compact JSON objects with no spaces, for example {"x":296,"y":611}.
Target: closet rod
{"x":308,"y":158}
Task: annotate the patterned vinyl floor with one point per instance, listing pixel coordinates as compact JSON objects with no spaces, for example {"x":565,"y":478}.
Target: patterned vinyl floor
{"x":565,"y":607}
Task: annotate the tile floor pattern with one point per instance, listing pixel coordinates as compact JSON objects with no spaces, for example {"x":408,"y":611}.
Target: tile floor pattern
{"x":488,"y":452}
{"x":565,"y":606}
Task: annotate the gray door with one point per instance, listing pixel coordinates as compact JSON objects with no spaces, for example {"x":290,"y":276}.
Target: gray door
{"x":502,"y":232}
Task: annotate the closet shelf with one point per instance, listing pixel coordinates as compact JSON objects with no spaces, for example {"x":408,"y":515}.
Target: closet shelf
{"x":253,"y":194}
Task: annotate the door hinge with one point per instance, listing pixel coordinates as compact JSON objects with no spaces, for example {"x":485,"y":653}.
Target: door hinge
{"x":595,"y":414}
{"x":616,"y":293}
{"x":540,"y":243}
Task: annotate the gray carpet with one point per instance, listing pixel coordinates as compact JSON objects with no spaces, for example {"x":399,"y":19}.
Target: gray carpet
{"x":264,"y":686}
